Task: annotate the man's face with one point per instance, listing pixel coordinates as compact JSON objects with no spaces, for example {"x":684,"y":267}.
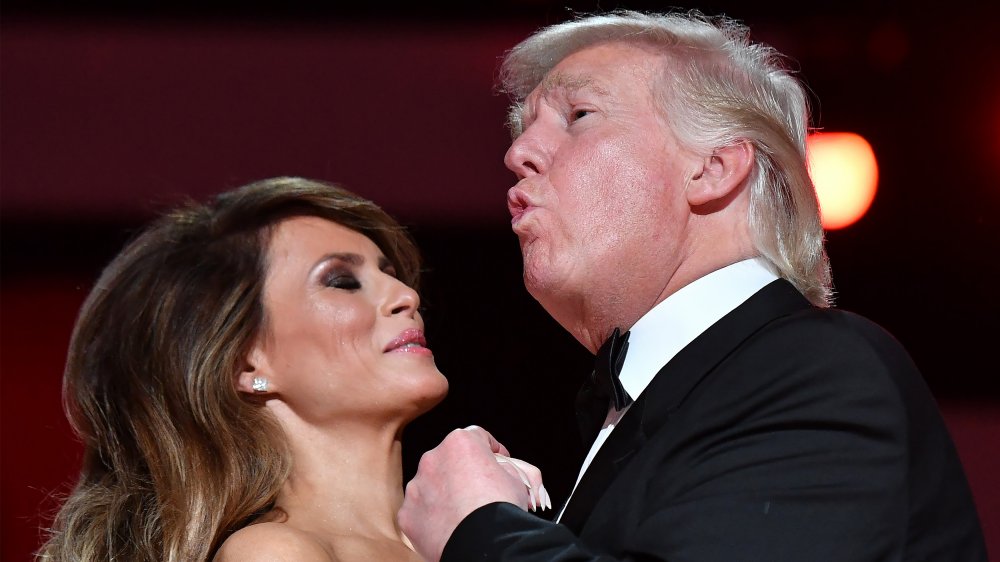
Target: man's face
{"x":599,"y":201}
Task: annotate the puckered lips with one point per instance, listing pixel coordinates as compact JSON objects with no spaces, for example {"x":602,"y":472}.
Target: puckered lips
{"x":410,"y":341}
{"x":518,"y":203}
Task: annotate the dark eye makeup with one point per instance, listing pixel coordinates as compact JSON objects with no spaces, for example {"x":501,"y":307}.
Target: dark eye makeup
{"x":342,"y":273}
{"x":341,"y":278}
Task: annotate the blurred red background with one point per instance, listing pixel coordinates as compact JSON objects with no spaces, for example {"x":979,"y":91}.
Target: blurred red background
{"x":107,"y":116}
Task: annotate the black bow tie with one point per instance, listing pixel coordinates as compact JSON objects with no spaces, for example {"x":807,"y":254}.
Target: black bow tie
{"x":603,"y":389}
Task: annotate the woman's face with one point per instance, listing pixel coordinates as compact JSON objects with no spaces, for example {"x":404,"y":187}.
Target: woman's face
{"x":342,"y":337}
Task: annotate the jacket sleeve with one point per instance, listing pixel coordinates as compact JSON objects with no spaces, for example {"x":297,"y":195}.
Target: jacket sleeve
{"x":503,"y":531}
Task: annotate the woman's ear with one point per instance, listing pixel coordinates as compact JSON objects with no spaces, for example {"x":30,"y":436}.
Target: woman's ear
{"x":722,"y":172}
{"x":254,"y":377}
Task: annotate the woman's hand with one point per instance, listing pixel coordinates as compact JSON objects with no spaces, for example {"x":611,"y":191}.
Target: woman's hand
{"x":468,"y":470}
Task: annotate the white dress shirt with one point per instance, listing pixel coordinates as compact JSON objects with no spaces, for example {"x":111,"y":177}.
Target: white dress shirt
{"x":673,"y":324}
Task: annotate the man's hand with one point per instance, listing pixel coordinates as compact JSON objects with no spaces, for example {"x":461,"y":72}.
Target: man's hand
{"x":468,"y":470}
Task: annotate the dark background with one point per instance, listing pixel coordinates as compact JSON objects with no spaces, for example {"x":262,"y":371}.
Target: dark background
{"x":112,"y":112}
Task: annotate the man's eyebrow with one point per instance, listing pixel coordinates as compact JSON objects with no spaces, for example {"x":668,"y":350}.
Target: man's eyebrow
{"x":571,"y":82}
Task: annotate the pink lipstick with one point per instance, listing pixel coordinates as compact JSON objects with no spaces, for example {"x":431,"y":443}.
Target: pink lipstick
{"x":410,"y":341}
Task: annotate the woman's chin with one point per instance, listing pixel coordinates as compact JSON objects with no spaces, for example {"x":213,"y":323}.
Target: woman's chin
{"x":431,"y":396}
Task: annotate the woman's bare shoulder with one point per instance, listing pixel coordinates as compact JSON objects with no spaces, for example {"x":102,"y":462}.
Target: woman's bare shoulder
{"x":273,"y":542}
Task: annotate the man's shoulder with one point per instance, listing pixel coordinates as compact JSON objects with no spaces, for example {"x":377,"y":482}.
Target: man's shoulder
{"x":821,"y":355}
{"x":831,"y":330}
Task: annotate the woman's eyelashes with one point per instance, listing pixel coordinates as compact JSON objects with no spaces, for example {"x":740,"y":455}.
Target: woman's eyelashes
{"x":345,"y":277}
{"x":341,"y":279}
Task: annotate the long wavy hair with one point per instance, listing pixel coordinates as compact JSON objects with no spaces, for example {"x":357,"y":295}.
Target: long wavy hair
{"x":175,"y":458}
{"x":716,"y":88}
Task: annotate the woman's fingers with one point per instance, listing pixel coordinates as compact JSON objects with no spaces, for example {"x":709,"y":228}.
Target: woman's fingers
{"x":531,"y":477}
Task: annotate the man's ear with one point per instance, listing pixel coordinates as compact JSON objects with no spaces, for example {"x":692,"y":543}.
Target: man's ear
{"x":722,"y":172}
{"x":255,"y":376}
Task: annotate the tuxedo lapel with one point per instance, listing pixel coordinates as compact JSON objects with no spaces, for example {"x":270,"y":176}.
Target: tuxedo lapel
{"x":675,"y":381}
{"x":671,"y":385}
{"x":623,"y":442}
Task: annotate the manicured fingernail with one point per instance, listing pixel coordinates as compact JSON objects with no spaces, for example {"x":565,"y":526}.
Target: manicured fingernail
{"x":545,"y":498}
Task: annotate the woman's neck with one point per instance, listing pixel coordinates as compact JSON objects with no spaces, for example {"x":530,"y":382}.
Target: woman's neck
{"x":346,"y":479}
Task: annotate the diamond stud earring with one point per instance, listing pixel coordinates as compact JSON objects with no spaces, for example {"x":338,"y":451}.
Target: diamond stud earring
{"x":259,"y":384}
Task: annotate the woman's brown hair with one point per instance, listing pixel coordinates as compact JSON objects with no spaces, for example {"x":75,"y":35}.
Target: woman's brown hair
{"x":175,"y":460}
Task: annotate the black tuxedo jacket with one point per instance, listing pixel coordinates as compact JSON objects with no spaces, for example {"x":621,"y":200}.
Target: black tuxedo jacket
{"x":784,"y":432}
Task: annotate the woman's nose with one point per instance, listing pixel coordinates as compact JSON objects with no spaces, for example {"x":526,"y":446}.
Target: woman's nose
{"x":402,"y":300}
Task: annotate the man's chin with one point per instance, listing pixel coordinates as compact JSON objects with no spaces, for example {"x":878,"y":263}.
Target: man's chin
{"x":543,"y":287}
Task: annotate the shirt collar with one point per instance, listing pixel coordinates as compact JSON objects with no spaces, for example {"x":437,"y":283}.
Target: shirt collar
{"x":680,"y":318}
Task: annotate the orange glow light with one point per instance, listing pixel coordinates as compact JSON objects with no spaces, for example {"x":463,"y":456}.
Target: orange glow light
{"x":843,"y":169}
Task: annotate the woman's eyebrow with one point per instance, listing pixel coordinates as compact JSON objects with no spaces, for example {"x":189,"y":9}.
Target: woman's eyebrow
{"x":348,"y":257}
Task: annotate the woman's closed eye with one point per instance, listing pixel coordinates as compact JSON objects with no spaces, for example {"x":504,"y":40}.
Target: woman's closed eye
{"x":342,"y":280}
